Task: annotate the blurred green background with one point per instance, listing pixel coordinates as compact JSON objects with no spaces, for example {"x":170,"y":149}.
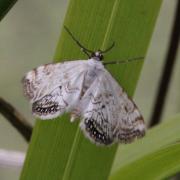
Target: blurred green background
{"x":28,"y":38}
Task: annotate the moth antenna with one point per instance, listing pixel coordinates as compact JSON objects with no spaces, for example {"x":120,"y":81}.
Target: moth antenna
{"x":109,"y":48}
{"x":85,"y":50}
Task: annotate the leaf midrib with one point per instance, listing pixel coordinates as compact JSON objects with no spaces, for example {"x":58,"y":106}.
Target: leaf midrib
{"x":77,"y":139}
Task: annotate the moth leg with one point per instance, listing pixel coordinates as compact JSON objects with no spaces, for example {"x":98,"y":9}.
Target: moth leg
{"x":75,"y":114}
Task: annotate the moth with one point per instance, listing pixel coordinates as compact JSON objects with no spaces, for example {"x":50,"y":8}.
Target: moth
{"x":87,"y":90}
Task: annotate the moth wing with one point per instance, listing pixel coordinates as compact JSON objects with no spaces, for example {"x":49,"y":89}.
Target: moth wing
{"x":44,"y":79}
{"x":130,"y":124}
{"x":55,"y":88}
{"x":108,"y":114}
{"x":95,"y":116}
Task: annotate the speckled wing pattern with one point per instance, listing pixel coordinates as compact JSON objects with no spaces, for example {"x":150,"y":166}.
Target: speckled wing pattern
{"x":88,"y":91}
{"x":54,"y":88}
{"x":108,"y":114}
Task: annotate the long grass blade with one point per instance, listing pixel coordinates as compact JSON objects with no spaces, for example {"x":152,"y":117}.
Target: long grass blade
{"x":58,"y":150}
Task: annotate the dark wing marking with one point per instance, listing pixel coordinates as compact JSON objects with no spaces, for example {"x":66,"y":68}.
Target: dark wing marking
{"x":44,"y":79}
{"x":108,"y":114}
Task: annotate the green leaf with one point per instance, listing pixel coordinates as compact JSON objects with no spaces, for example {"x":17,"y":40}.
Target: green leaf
{"x":5,"y":6}
{"x":156,"y":138}
{"x":158,"y":165}
{"x":58,"y":149}
{"x":151,"y":157}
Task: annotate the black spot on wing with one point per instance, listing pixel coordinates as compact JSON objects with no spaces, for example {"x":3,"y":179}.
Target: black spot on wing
{"x":45,"y":106}
{"x":41,"y":110}
{"x":96,"y":132}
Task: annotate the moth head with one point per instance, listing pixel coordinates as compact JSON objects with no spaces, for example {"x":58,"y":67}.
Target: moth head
{"x":97,"y":55}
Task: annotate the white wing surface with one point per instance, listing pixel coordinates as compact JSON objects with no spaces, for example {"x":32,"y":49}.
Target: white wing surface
{"x":87,"y":90}
{"x":108,"y":114}
{"x":54,"y":88}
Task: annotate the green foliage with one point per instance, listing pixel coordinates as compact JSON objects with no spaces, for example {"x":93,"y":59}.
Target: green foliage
{"x":157,"y":165}
{"x":58,"y":150}
{"x":156,"y":138}
{"x":154,"y":157}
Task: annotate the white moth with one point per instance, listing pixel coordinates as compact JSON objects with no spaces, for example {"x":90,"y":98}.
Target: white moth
{"x":89,"y":92}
